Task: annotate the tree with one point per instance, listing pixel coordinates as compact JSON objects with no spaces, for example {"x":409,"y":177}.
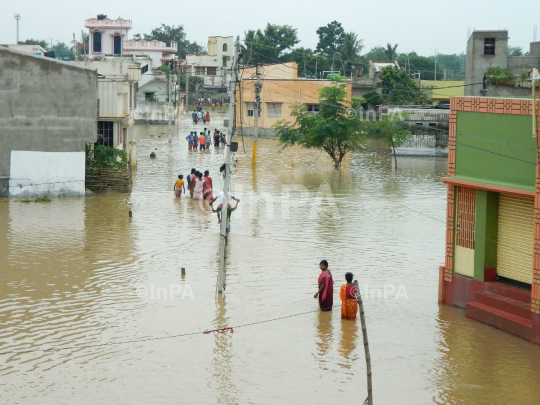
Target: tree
{"x":61,"y":50}
{"x":44,"y":44}
{"x":376,"y":53}
{"x":398,"y":88}
{"x":332,"y":130}
{"x":496,"y":74}
{"x":390,"y":130}
{"x":168,"y":33}
{"x":331,"y":39}
{"x":514,"y":51}
{"x":308,"y":62}
{"x":268,"y":46}
{"x":350,"y":50}
{"x":373,"y":98}
{"x":390,"y":52}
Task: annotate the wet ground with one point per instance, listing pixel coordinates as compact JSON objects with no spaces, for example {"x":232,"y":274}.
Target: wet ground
{"x":105,"y":291}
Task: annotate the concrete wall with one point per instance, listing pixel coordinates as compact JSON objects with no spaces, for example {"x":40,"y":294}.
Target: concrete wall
{"x":477,"y":62}
{"x":508,"y":91}
{"x":518,"y":64}
{"x":45,"y":106}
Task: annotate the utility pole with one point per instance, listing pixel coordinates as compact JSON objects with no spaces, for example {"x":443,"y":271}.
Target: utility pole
{"x":75,"y":47}
{"x":187,"y":91}
{"x":169,"y":104}
{"x":534,"y":78}
{"x":222,"y":273}
{"x":369,"y":399}
{"x":258,"y":87}
{"x":17,"y":18}
{"x":435,"y":64}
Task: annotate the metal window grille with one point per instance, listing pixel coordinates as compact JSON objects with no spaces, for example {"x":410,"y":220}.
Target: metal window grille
{"x":489,"y":46}
{"x":105,"y":131}
{"x":117,"y":45}
{"x":313,"y":108}
{"x":200,"y":70}
{"x":466,"y":217}
{"x":211,"y":71}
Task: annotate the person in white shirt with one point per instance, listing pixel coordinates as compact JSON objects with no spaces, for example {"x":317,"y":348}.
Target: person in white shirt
{"x":221,"y":196}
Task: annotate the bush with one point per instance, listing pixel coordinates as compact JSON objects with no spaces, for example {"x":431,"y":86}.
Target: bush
{"x":498,"y":74}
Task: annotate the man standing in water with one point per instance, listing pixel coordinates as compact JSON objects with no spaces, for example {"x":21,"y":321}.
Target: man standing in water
{"x":221,"y":195}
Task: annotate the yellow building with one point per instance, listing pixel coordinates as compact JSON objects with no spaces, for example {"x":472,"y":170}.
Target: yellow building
{"x":281,"y":88}
{"x":443,"y":90}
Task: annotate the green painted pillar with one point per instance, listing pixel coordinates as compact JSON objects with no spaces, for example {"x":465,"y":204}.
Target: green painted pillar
{"x":485,"y":234}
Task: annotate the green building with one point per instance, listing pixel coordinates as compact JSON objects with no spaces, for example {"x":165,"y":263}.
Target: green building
{"x":492,"y":264}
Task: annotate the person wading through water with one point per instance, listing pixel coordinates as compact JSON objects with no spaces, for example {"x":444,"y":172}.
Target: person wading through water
{"x":326,"y":288}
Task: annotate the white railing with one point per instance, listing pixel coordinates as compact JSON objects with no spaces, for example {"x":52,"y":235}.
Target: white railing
{"x":108,"y":22}
{"x":148,"y":44}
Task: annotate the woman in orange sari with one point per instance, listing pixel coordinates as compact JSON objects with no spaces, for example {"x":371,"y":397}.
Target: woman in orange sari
{"x":349,"y":304}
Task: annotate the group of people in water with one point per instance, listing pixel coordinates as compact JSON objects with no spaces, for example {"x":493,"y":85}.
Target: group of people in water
{"x":205,"y":139}
{"x":199,"y":186}
{"x":347,"y":293}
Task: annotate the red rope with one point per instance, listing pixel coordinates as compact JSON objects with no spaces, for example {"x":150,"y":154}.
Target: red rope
{"x":223,"y":330}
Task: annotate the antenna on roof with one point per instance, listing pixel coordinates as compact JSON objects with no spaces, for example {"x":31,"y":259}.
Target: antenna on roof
{"x":535,"y":32}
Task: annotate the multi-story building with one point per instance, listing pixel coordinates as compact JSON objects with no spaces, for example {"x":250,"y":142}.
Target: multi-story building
{"x":213,"y":67}
{"x":487,"y":49}
{"x":492,"y":264}
{"x":48,"y":112}
{"x":117,"y":98}
{"x":109,"y":41}
{"x":281,"y":87}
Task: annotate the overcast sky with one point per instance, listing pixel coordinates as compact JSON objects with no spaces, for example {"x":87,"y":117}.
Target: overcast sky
{"x":416,"y":25}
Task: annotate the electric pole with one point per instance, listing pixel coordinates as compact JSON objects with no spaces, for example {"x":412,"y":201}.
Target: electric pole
{"x":222,"y":273}
{"x":186,"y":104}
{"x":169,"y":105}
{"x":258,"y":87}
{"x":17,"y":18}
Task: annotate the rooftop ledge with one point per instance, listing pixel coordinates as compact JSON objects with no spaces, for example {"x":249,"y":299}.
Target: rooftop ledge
{"x":498,"y":187}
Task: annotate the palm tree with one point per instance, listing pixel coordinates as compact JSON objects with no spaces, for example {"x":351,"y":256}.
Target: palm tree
{"x":350,"y":50}
{"x":390,"y":52}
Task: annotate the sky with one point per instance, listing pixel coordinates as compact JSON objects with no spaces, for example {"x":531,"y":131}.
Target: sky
{"x":415,"y":25}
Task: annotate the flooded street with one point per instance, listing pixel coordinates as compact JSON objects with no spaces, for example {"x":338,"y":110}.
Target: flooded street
{"x":81,"y":272}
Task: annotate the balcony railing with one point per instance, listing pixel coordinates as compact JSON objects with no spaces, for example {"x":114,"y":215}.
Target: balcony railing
{"x":107,"y":22}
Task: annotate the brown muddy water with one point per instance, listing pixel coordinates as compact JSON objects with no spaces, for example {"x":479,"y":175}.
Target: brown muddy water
{"x":104,"y":291}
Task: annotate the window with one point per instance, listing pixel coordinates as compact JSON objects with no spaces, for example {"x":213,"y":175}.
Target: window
{"x":419,"y":124}
{"x":150,"y":96}
{"x":144,"y":69}
{"x":313,"y":108}
{"x":274,"y":110}
{"x":200,"y":70}
{"x":432,"y":124}
{"x":250,"y":110}
{"x":225,"y":48}
{"x":96,"y":42}
{"x":105,"y":132}
{"x":211,"y":71}
{"x":489,"y":46}
{"x":117,"y":45}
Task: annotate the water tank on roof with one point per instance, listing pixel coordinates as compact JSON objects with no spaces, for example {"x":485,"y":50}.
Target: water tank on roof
{"x":101,"y":16}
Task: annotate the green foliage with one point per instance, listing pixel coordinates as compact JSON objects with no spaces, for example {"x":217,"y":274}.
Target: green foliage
{"x":168,"y":33}
{"x":62,"y":49}
{"x":523,"y":76}
{"x":373,"y":98}
{"x":498,"y":74}
{"x":350,"y":51}
{"x":399,"y":89}
{"x":267,"y":46}
{"x":391,"y":131}
{"x":376,"y":53}
{"x":195,"y":82}
{"x":307,"y":60}
{"x":43,"y":200}
{"x":331,"y":39}
{"x":514,"y":51}
{"x":331,"y":130}
{"x":44,"y":44}
{"x":103,"y":156}
{"x":390,"y":52}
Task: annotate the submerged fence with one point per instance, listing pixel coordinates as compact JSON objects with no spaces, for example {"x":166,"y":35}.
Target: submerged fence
{"x":107,"y":180}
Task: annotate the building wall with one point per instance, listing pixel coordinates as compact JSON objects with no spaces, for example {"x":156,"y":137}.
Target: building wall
{"x":482,"y":161}
{"x":283,"y":92}
{"x":443,"y":90}
{"x":477,"y":62}
{"x":45,"y":106}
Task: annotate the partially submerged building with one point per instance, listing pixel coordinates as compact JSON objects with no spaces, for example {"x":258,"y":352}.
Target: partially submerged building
{"x":48,"y":112}
{"x":492,"y":264}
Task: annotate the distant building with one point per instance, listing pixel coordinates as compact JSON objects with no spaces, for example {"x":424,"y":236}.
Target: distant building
{"x":492,"y":263}
{"x":490,"y":49}
{"x":442,"y":90}
{"x":363,"y":84}
{"x":117,"y":98}
{"x":428,"y":127}
{"x":31,"y":49}
{"x":109,"y":41}
{"x":48,"y":112}
{"x":281,"y":87}
{"x":214,"y":67}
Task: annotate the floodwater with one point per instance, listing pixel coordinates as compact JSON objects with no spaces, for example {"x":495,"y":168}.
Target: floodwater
{"x":94,"y":310}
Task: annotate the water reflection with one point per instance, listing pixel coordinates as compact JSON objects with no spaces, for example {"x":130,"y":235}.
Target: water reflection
{"x":224,"y":375}
{"x":347,"y":343}
{"x":325,"y":339}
